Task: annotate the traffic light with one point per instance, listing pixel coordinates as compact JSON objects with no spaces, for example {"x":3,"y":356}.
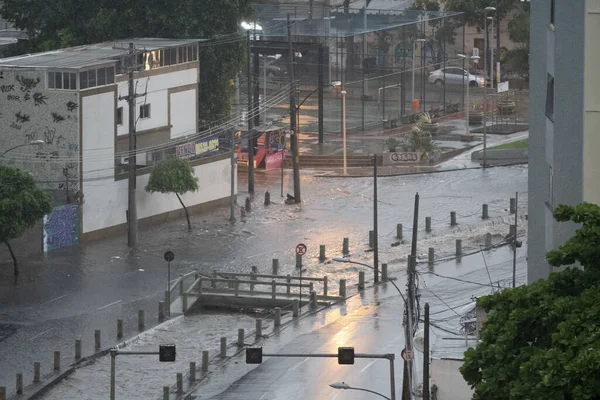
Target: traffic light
{"x":166,"y":353}
{"x":346,"y":355}
{"x":253,"y":355}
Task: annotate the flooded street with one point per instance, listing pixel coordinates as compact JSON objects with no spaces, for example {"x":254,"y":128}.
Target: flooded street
{"x":70,"y":294}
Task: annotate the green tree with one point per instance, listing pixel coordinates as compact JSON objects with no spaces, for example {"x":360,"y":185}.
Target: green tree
{"x":542,"y":341}
{"x":63,"y":23}
{"x":173,"y":175}
{"x":22,"y":204}
{"x":474,"y":9}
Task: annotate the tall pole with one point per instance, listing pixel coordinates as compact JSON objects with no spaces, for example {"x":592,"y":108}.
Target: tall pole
{"x":375,"y":230}
{"x":250,"y":134}
{"x":344,"y":129}
{"x":255,"y":78}
{"x":113,"y":356}
{"x":265,"y":91}
{"x":464,"y":51}
{"x":468,"y":107}
{"x":426,"y":355}
{"x":232,"y":200}
{"x":321,"y":67}
{"x":444,"y":55}
{"x":282,"y":143}
{"x":293,"y":133}
{"x":132,"y":223}
{"x":492,"y":56}
{"x":392,"y":379}
{"x":514,"y":283}
{"x":485,"y":36}
{"x":413,"y":69}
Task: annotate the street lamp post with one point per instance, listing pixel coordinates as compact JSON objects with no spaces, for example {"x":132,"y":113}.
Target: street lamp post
{"x":31,"y":143}
{"x":468,"y":106}
{"x":344,"y":129}
{"x":345,"y":386}
{"x":413,"y":65}
{"x":485,"y":34}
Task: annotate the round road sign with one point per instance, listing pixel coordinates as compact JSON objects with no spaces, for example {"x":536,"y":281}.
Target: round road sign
{"x":169,"y":256}
{"x":407,"y":355}
{"x":301,"y":249}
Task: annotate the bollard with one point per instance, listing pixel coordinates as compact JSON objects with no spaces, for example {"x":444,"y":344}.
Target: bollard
{"x":184,"y":302}
{"x":488,"y":240}
{"x":2,"y":392}
{"x":321,"y":252}
{"x":399,"y":231}
{"x":311,"y":287}
{"x":277,"y":316}
{"x":275,"y":266}
{"x":273,"y":289}
{"x":295,"y":308}
{"x":512,"y":232}
{"x":345,"y":247}
{"x":19,"y":383}
{"x":342,"y":288}
{"x":161,"y":311}
{"x":371,"y":238}
{"x":241,"y":338}
{"x":452,"y":218}
{"x":36,"y":372}
{"x":167,"y":297}
{"x":430,"y":256}
{"x":237,"y":287}
{"x":119,"y":328}
{"x":166,"y":391}
{"x":458,"y":247}
{"x":384,"y":272}
{"x":267,"y":198}
{"x":223,"y":352}
{"x":513,"y":205}
{"x":141,"y":320}
{"x":361,"y":280}
{"x":181,"y":285}
{"x":288,"y":281}
{"x":484,"y":212}
{"x":205,"y":361}
{"x":258,"y":327}
{"x":298,"y":261}
{"x":97,"y":341}
{"x":78,"y":349}
{"x":313,"y":299}
{"x":192,"y":371}
{"x":242,"y":212}
{"x":325,"y":285}
{"x":252,"y":278}
{"x":57,"y":360}
{"x":254,"y":269}
{"x":427,"y":224}
{"x":248,"y":205}
{"x":179,"y":382}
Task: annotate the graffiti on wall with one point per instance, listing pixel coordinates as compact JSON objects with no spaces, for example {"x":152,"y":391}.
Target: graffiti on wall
{"x":61,"y":228}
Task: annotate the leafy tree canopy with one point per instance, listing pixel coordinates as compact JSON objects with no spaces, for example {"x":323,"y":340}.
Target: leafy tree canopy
{"x":22,"y":204}
{"x":474,"y":9}
{"x":542,"y":341}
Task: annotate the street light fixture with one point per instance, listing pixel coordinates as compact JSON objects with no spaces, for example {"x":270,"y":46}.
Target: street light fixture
{"x":31,"y":143}
{"x":413,"y":65}
{"x":345,"y":386}
{"x":485,"y":34}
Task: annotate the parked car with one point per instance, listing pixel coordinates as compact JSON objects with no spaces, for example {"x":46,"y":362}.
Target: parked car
{"x":455,"y":75}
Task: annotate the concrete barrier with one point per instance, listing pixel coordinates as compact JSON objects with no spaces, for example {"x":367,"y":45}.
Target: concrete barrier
{"x":502,"y":156}
{"x":57,"y":360}
{"x":427,"y":224}
{"x":484,"y":212}
{"x":97,"y":340}
{"x":205,"y":361}
{"x":399,"y":231}
{"x":361,"y":280}
{"x":192,"y":371}
{"x":346,"y":247}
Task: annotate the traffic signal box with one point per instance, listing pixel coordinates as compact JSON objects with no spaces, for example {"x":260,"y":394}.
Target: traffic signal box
{"x":253,"y":355}
{"x":166,"y":353}
{"x":346,"y":355}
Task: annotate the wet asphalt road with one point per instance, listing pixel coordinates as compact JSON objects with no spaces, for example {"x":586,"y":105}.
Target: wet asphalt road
{"x":69,"y":294}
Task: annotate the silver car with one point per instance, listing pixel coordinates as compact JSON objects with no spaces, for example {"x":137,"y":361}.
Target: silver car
{"x":455,"y":75}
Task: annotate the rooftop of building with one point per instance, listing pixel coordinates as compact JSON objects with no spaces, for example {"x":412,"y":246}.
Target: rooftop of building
{"x":90,"y":55}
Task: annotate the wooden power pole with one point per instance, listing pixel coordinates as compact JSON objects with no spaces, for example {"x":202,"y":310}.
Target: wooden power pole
{"x":293,"y":129}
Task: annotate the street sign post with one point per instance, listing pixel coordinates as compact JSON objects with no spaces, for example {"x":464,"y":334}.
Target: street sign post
{"x":169,"y":256}
{"x":301,"y":251}
{"x":407,"y":355}
{"x":503,"y":87}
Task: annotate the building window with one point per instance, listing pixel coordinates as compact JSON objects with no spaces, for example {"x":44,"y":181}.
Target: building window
{"x":62,"y":80}
{"x":145,"y":111}
{"x":550,"y":98}
{"x":120,"y":116}
{"x":552,"y":8}
{"x":97,"y":77}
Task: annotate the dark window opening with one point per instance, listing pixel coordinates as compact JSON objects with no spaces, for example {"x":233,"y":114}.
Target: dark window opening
{"x":145,"y":111}
{"x":120,"y":116}
{"x":552,"y":8}
{"x":550,"y":98}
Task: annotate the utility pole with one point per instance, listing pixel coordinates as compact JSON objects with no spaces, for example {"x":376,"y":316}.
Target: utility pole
{"x":250,"y":134}
{"x":232,"y":200}
{"x":375,"y":231}
{"x":320,"y":94}
{"x":256,"y":84}
{"x":426,"y":395}
{"x":293,"y":133}
{"x":514,"y":282}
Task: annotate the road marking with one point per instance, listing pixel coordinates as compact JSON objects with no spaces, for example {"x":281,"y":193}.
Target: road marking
{"x":108,"y":305}
{"x":263,"y":396}
{"x":335,"y":397}
{"x":299,"y":364}
{"x":368,"y":365}
{"x":50,"y":301}
{"x":40,"y":334}
{"x":120,"y":276}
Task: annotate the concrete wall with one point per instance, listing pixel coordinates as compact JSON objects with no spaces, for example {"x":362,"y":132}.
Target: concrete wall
{"x":450,"y":383}
{"x":502,"y":156}
{"x":183,"y":119}
{"x":29,"y":111}
{"x":555,"y":147}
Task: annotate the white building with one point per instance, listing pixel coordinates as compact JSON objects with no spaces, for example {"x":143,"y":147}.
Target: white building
{"x":72,"y":99}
